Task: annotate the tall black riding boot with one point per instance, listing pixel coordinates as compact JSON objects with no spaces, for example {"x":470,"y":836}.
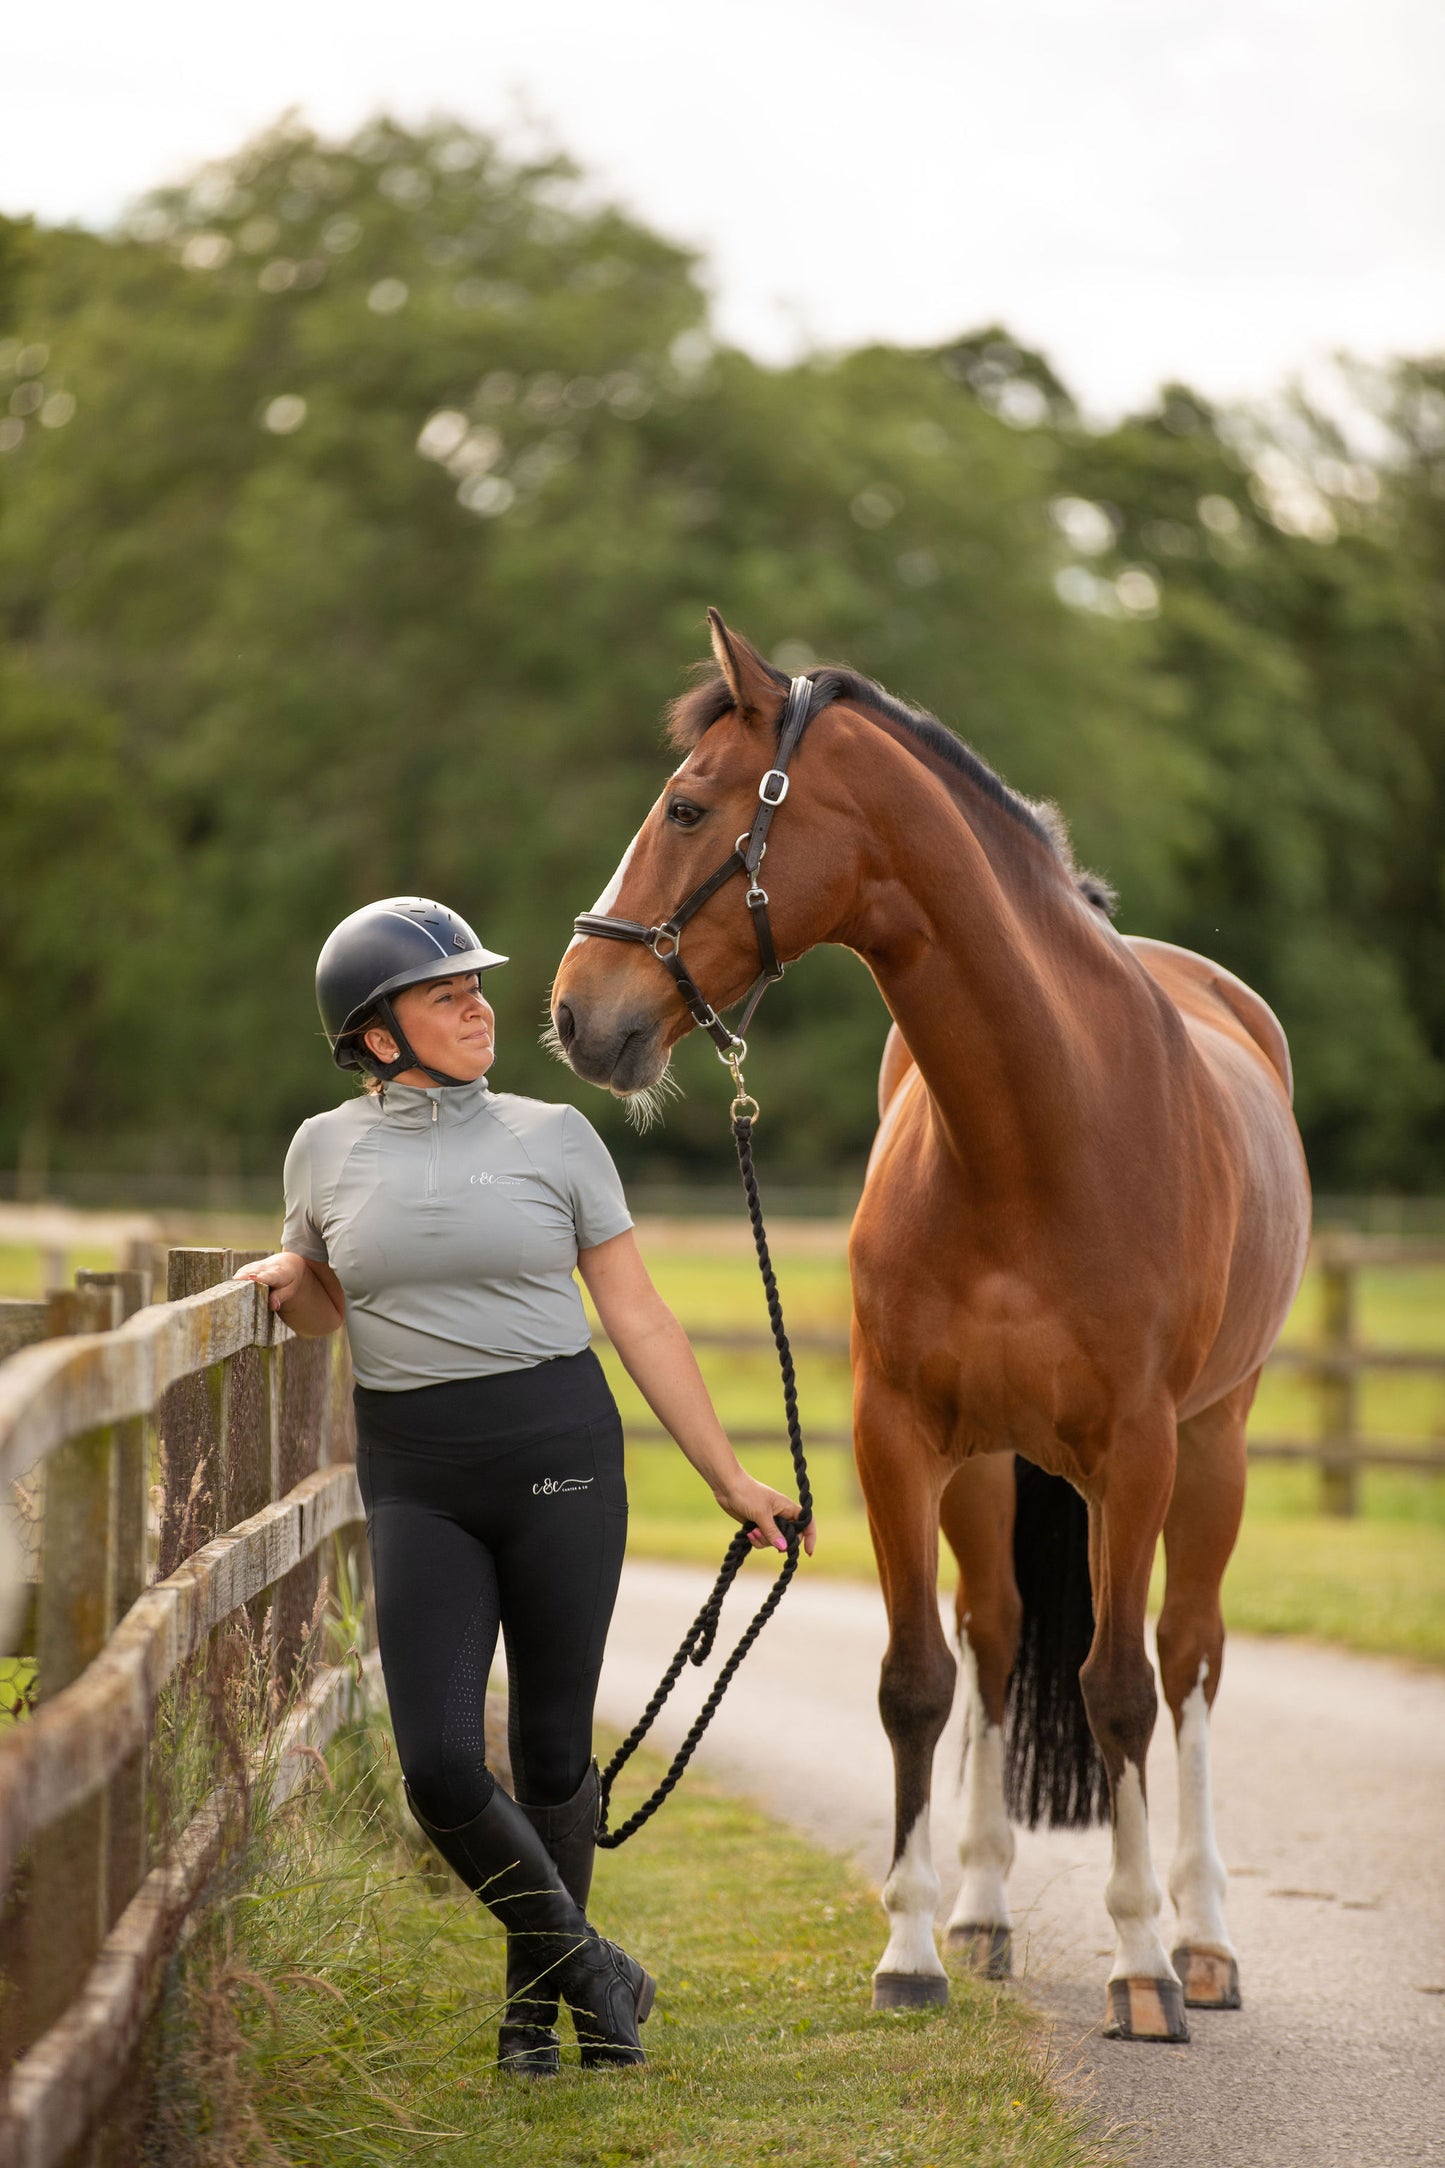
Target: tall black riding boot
{"x":528,"y":2045}
{"x":500,"y":1856}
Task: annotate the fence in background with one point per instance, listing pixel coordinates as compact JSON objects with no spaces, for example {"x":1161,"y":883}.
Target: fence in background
{"x":248,"y":1430}
{"x":1339,"y":1447}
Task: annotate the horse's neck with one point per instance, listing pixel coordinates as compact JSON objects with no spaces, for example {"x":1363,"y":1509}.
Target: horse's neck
{"x":990,"y":964}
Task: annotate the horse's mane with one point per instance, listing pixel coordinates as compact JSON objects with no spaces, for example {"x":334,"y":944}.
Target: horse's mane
{"x":696,"y":711}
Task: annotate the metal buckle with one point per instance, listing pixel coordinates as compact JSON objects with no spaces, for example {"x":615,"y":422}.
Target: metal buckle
{"x":757,"y":898}
{"x":778,"y":776}
{"x":668,"y":932}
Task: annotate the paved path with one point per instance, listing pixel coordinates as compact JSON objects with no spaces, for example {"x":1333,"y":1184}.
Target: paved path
{"x":1330,"y":1793}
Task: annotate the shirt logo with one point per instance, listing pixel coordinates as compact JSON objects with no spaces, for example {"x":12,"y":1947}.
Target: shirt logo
{"x":510,"y":1181}
{"x":550,"y":1488}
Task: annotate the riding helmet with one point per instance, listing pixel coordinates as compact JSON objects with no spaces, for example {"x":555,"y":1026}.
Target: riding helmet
{"x":401,"y":941}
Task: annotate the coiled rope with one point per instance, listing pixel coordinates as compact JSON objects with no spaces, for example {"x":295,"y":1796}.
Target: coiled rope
{"x":697,"y":1643}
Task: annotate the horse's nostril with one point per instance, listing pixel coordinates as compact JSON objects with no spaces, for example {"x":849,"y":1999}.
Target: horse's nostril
{"x":566,"y":1023}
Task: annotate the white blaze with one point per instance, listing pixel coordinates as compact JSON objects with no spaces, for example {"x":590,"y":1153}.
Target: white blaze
{"x":910,"y":1897}
{"x":986,"y":1845}
{"x":609,"y":894}
{"x":1133,"y":1894}
{"x":1198,"y":1878}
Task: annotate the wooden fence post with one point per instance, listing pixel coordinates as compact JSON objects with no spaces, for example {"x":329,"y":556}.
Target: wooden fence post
{"x":306,"y":1375}
{"x":130,"y":1499}
{"x":68,"y":1909}
{"x":190,"y":1419}
{"x":1338,"y":1385}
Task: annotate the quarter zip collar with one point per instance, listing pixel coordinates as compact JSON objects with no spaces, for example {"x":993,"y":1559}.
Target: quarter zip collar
{"x":412,"y":1106}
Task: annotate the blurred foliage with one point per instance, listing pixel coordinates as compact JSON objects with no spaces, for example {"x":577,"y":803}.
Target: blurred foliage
{"x":359,"y":506}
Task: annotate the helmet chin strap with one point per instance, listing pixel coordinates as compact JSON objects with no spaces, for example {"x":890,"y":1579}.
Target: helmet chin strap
{"x":388,"y":1071}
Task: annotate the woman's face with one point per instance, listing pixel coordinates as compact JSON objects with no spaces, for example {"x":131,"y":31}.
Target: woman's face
{"x":449,"y":1027}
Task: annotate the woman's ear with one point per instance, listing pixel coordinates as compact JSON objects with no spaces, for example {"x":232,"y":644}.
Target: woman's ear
{"x":758,"y":689}
{"x":381,"y":1044}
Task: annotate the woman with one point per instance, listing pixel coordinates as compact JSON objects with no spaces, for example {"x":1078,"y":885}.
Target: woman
{"x":441,"y":1222}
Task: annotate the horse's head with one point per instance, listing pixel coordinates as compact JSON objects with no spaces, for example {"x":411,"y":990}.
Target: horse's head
{"x":616,"y":1012}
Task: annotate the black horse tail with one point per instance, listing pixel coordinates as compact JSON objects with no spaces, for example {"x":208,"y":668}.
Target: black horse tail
{"x":1053,"y":1770}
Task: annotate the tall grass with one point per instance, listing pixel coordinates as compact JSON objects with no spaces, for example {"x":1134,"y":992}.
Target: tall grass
{"x":337,"y":2005}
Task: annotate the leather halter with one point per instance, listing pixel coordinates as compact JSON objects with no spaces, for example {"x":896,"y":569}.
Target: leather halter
{"x":665,"y":940}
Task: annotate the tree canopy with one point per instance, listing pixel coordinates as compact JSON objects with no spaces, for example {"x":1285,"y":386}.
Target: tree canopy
{"x":359,"y":506}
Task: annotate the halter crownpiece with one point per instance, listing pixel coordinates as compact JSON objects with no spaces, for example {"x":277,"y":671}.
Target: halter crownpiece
{"x":665,"y":939}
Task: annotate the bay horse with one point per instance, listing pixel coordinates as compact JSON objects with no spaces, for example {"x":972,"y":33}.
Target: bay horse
{"x":1085,"y":1217}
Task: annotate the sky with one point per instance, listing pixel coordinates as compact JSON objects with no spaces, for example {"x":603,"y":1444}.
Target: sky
{"x":1223,"y":191}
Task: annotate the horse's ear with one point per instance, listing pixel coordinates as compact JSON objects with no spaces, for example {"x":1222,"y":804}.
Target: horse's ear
{"x":758,"y":690}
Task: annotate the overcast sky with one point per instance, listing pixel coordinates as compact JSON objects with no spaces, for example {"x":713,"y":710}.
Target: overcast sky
{"x":1221,"y":190}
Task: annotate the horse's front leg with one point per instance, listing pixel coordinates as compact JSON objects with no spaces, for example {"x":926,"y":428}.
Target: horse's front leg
{"x":978,"y":1520}
{"x":902,"y":1472}
{"x":1127,"y":1505}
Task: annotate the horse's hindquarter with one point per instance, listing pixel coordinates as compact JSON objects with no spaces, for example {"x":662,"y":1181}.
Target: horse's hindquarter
{"x":1254,"y":1144}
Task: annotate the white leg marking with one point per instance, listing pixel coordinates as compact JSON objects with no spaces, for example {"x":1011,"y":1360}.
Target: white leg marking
{"x":910,"y":1897}
{"x":986,"y":1846}
{"x":1197,"y":1878}
{"x":1133,"y":1894}
{"x":609,"y":894}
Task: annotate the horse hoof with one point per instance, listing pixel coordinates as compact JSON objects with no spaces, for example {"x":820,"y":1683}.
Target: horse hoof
{"x":1146,"y":2010}
{"x":1211,"y":1979}
{"x":988,"y":1951}
{"x":908,"y":1990}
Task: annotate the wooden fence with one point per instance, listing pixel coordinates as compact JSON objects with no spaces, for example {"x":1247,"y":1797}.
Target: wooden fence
{"x":190,"y":1459}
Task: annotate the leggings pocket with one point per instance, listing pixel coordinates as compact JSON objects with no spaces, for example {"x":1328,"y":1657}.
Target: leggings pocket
{"x":605,"y":1436}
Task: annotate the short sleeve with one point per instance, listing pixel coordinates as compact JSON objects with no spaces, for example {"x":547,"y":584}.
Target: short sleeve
{"x":301,"y":1232}
{"x":599,"y":1207}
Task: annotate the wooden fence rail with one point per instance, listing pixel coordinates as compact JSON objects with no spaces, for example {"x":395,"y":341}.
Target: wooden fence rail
{"x":186,"y":1461}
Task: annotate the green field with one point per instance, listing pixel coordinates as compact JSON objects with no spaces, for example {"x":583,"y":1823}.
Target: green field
{"x":1376,"y":1582}
{"x":337,"y":2006}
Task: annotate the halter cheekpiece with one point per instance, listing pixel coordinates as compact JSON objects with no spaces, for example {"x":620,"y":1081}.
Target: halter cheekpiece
{"x":665,"y":940}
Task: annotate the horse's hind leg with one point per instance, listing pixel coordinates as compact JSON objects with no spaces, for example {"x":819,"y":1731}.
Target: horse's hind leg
{"x":902,"y":1473}
{"x":1199,"y":1534}
{"x":1127,"y":1504}
{"x":978,"y":1518}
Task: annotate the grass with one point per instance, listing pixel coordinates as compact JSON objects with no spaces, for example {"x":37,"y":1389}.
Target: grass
{"x":338,"y":2006}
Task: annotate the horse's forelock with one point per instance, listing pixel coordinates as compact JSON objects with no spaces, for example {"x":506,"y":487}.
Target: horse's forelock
{"x":696,"y":710}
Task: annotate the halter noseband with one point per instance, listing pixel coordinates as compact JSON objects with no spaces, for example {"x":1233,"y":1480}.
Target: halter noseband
{"x":665,"y":940}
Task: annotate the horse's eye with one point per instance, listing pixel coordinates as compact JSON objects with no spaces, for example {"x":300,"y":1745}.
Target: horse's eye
{"x":683,"y":813}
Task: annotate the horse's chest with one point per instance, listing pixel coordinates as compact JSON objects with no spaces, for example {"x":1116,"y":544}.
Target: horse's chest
{"x":997,"y":1363}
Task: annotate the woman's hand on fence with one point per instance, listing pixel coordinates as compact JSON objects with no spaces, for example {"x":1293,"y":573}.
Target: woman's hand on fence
{"x":285,"y":1274}
{"x":758,"y":1506}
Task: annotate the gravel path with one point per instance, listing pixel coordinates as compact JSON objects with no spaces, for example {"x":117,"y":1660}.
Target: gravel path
{"x":1329,"y":1775}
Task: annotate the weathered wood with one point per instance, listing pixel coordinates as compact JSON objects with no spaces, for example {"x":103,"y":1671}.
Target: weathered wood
{"x":126,"y":1834}
{"x":53,"y":1392}
{"x":21,"y":1324}
{"x":59,"y":2090}
{"x":306,"y":1376}
{"x":1337,"y":1386}
{"x":191,"y":1421}
{"x":73,"y":1745}
{"x":67,"y":1906}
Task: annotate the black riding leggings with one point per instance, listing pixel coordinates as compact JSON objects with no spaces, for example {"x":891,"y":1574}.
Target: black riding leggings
{"x":493,"y":1502}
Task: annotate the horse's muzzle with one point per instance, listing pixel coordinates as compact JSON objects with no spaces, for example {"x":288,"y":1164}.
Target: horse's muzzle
{"x":620,"y":1053}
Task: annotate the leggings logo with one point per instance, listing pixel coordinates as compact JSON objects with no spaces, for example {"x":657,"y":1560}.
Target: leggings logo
{"x":549,"y":1487}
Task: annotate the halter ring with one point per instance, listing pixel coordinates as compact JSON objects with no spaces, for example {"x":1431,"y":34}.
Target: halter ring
{"x":668,"y":932}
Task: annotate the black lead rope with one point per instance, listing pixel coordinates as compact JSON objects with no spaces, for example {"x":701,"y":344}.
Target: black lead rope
{"x":697,"y":1644}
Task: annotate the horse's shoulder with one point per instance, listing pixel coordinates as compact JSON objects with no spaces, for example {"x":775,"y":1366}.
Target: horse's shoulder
{"x":1203,"y":989}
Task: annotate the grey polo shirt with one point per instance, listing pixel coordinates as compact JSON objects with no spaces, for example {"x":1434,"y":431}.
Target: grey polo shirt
{"x":452,"y":1218}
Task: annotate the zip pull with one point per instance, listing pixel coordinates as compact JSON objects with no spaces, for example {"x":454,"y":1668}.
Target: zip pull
{"x":435,"y":1111}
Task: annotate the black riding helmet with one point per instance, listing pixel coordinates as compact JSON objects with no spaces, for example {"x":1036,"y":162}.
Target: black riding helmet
{"x":401,"y":941}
